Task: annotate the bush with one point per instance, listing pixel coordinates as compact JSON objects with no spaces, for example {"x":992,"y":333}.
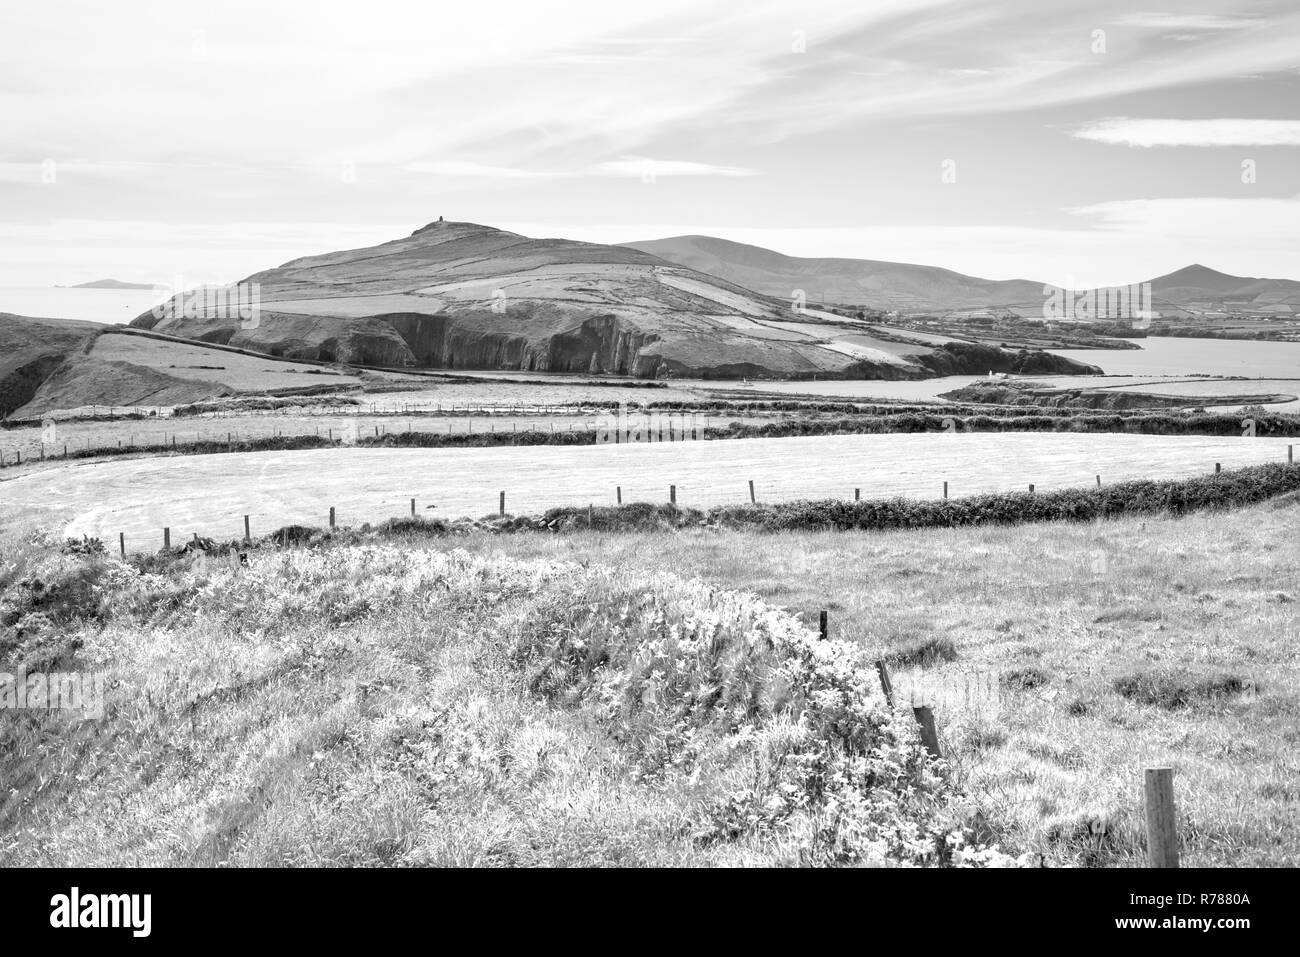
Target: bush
{"x":1176,"y":688}
{"x":925,"y":652}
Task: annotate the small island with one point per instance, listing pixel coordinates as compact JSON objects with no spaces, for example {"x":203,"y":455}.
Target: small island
{"x":111,"y":284}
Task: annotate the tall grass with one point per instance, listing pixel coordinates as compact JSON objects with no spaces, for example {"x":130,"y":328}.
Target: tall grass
{"x":374,"y":705}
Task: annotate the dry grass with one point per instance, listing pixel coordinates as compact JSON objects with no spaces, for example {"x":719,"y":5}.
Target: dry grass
{"x":339,"y":707}
{"x":1083,"y":653}
{"x":372,"y":705}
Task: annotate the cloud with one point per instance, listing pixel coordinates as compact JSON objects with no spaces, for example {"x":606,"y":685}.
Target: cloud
{"x":1209,"y":132}
{"x":644,"y":167}
{"x":475,"y":170}
{"x":1188,"y":21}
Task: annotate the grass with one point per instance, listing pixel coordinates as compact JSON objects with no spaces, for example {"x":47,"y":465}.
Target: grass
{"x":376,"y":705}
{"x":604,"y":698}
{"x":1054,"y":704}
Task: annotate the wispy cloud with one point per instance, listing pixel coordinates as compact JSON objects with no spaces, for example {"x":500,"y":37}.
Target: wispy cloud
{"x":644,"y":167}
{"x":475,"y":170}
{"x":1208,"y":132}
{"x":1188,"y":21}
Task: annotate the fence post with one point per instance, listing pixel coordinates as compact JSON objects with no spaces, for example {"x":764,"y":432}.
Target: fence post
{"x":247,"y":537}
{"x":1218,"y":467}
{"x":503,"y":503}
{"x":412,"y":508}
{"x":886,"y":685}
{"x":1098,"y":481}
{"x":121,"y":543}
{"x":1031,"y":488}
{"x":1162,"y":822}
{"x":167,"y":539}
{"x":857,"y":495}
{"x":945,"y":489}
{"x":752,"y":500}
{"x":331,"y":516}
{"x":618,"y":491}
{"x":672,"y":494}
{"x":821,"y":625}
{"x":929,"y":734}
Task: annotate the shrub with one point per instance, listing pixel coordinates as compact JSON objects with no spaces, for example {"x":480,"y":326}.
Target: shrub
{"x":1024,"y":679}
{"x":923,"y":652}
{"x":1174,"y":688}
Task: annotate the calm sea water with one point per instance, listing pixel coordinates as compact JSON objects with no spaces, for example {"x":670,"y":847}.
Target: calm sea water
{"x":93,"y":305}
{"x":1169,"y":356}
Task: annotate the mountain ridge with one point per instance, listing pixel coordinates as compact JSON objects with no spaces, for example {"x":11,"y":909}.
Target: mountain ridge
{"x":914,"y":287}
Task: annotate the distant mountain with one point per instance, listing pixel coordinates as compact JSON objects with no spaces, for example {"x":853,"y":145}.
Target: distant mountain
{"x":465,"y":296}
{"x":1197,"y":289}
{"x":113,"y":284}
{"x":874,"y":283}
{"x":1194,"y":290}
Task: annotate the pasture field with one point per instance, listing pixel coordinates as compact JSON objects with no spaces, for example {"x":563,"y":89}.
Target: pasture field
{"x":158,"y":432}
{"x":610,"y":699}
{"x":1049,"y":710}
{"x":208,"y":494}
{"x":195,"y":360}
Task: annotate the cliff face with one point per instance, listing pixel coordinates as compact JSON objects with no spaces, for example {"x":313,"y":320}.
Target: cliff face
{"x":461,"y":296}
{"x":32,"y":349}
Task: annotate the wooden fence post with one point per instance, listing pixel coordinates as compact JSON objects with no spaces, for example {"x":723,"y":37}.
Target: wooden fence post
{"x":247,"y":537}
{"x":672,"y":494}
{"x":503,"y":503}
{"x":821,"y":625}
{"x":121,"y":543}
{"x":1098,"y":481}
{"x":167,"y":539}
{"x":412,"y":508}
{"x":331,"y":517}
{"x":945,"y":489}
{"x":1162,"y":821}
{"x":929,"y":734}
{"x":1031,"y":488}
{"x":752,"y":500}
{"x":618,"y":491}
{"x":886,"y":685}
{"x":857,"y":495}
{"x":1218,"y":467}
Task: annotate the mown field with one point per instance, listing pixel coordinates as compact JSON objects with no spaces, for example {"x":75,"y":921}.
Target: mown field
{"x":208,"y":495}
{"x":640,"y":699}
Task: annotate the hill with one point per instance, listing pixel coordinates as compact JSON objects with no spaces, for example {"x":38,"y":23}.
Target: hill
{"x":1195,"y":290}
{"x":882,"y":285}
{"x":461,"y":295}
{"x":52,"y":364}
{"x":31,"y":349}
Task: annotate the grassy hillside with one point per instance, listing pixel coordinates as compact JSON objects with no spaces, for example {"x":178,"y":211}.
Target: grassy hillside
{"x":32,"y":349}
{"x":115,"y":367}
{"x":637,"y":699}
{"x":378,"y":705}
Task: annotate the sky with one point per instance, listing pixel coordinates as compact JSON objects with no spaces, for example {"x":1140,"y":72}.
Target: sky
{"x":1073,"y":143}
